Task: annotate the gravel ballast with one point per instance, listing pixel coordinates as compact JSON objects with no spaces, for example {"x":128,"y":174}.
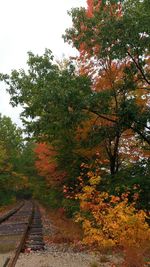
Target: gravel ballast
{"x":55,"y":259}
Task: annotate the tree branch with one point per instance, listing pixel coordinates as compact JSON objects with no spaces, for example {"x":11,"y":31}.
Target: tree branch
{"x":141,"y":134}
{"x":100,"y":115}
{"x":139,"y":68}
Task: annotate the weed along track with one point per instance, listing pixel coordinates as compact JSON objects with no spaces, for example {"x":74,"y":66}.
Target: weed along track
{"x":21,"y":231}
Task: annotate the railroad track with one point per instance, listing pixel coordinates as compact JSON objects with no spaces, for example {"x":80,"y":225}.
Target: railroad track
{"x":21,"y":231}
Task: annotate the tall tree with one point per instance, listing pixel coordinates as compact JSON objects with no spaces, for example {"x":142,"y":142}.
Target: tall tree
{"x":11,"y":144}
{"x":46,"y":164}
{"x":114,"y":27}
{"x":52,"y":98}
{"x":117,"y":63}
{"x":11,"y":138}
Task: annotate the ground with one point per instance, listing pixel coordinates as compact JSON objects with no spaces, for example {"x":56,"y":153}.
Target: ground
{"x":63,"y":247}
{"x":58,"y":258}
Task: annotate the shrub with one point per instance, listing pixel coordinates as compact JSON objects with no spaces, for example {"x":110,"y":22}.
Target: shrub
{"x":70,"y":206}
{"x":110,"y":221}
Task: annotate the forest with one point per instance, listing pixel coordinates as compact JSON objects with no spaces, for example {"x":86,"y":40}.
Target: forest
{"x":85,"y":143}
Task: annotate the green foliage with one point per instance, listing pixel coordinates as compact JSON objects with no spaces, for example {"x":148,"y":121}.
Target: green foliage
{"x":48,"y":196}
{"x":134,"y":179}
{"x":7,"y":189}
{"x":70,"y":206}
{"x":11,"y":136}
{"x":54,"y":99}
{"x":11,"y":143}
{"x":6,"y":198}
{"x":51,"y":196}
{"x":26,"y":161}
{"x":114,"y":28}
{"x":3,"y":156}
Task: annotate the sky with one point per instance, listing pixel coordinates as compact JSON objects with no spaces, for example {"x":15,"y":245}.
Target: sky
{"x":31,"y":25}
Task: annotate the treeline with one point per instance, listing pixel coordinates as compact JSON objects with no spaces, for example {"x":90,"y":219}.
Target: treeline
{"x":11,"y":147}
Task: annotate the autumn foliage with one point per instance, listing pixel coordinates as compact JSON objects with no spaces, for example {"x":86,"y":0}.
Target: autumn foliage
{"x":95,"y":108}
{"x":46,"y":164}
{"x":110,"y":221}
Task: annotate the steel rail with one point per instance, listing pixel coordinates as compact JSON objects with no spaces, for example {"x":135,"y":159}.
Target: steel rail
{"x":10,"y":213}
{"x":30,"y":232}
{"x":6,"y":262}
{"x":14,"y":258}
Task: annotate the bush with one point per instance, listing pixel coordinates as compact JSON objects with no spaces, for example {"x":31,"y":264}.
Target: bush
{"x":110,"y":221}
{"x":7,"y":197}
{"x":48,"y":195}
{"x":70,"y":206}
{"x":134,"y":178}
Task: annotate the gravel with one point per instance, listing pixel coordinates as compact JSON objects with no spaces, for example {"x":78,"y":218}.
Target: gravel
{"x":53,"y":258}
{"x":63,"y":256}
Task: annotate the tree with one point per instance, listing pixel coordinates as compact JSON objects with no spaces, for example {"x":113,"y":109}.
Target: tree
{"x":114,"y":27}
{"x":26,"y":161}
{"x":114,"y":96}
{"x":11,"y":143}
{"x":4,"y":165}
{"x":11,"y":138}
{"x":46,"y":164}
{"x":118,"y":70}
{"x":51,"y":98}
{"x":63,"y":101}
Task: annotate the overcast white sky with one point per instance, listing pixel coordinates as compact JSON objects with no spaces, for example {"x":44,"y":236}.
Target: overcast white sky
{"x":31,"y":25}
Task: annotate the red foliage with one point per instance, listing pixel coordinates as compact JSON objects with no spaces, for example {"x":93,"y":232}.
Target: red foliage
{"x":89,"y":8}
{"x":46,"y":164}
